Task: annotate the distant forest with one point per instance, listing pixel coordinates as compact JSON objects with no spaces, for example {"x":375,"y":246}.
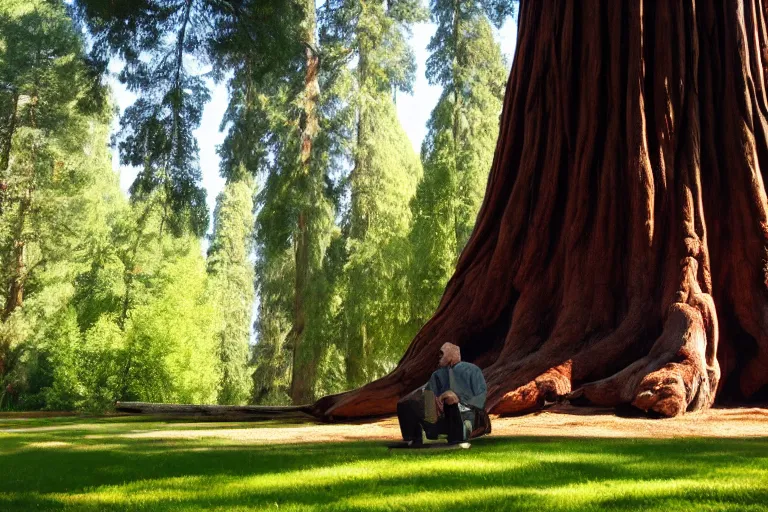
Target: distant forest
{"x":341,"y":234}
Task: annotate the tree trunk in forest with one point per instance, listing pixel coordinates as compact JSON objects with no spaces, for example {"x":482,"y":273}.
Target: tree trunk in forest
{"x":619,"y":255}
{"x":303,"y":367}
{"x":15,"y":297}
{"x":5,"y":151}
{"x":457,"y":87}
{"x":18,"y":279}
{"x":356,"y":341}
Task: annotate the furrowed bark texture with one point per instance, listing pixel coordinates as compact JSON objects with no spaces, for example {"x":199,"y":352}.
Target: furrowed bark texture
{"x":620,"y":253}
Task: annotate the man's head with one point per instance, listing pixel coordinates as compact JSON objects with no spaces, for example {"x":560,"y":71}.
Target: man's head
{"x":450,"y":355}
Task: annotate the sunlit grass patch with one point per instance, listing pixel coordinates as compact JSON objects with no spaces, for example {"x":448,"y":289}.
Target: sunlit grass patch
{"x":78,"y":467}
{"x":47,"y":444}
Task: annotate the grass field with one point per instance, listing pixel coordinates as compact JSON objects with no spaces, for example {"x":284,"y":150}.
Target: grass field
{"x":101,"y":464}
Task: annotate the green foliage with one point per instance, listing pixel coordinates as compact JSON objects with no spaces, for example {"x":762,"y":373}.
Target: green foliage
{"x":433,"y":234}
{"x":231,"y":281}
{"x":274,"y":116}
{"x":165,"y":348}
{"x":101,"y":305}
{"x":164,"y":44}
{"x":62,"y":335}
{"x":331,"y":372}
{"x":375,"y":305}
{"x":355,"y":300}
{"x":381,"y":183}
{"x":448,"y":65}
{"x":375,"y":32}
{"x":50,"y":145}
{"x":271,"y":358}
{"x":153,"y":38}
{"x":100,"y":359}
{"x":325,"y":330}
{"x":42,"y":67}
{"x":57,"y":180}
{"x":171,"y":343}
{"x":458,"y":150}
{"x":13,"y":371}
{"x":107,"y":299}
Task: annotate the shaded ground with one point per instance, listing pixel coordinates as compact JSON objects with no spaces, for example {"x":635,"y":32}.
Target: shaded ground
{"x":130,"y":463}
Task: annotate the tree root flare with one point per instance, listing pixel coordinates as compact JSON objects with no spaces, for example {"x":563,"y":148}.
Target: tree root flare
{"x":547,"y":387}
{"x":675,"y":376}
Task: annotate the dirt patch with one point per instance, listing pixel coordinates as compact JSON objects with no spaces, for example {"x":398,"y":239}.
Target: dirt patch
{"x":569,"y":421}
{"x":560,"y":421}
{"x":311,"y":433}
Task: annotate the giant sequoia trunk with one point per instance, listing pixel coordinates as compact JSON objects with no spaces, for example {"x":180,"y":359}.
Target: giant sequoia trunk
{"x":303,"y":368}
{"x":620,"y":253}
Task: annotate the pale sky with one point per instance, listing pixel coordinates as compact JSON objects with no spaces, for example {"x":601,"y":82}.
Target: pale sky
{"x":413,"y":110}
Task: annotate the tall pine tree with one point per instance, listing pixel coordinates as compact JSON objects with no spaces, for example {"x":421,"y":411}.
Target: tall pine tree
{"x":44,"y":76}
{"x":458,"y":150}
{"x":231,"y":277}
{"x":159,"y":41}
{"x":381,"y":183}
{"x":284,"y":131}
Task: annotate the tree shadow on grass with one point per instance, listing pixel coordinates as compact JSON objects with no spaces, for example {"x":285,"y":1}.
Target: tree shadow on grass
{"x":498,"y":473}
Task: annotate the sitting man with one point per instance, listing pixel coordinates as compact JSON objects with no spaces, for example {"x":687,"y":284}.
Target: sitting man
{"x":450,"y":403}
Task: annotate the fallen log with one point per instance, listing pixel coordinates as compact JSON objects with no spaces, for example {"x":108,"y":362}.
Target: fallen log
{"x":217,"y":412}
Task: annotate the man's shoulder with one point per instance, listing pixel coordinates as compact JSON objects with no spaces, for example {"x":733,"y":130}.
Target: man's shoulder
{"x":467,"y":367}
{"x":439,"y":371}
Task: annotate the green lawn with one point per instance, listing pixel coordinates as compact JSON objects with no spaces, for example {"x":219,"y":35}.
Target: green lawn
{"x":88,"y":464}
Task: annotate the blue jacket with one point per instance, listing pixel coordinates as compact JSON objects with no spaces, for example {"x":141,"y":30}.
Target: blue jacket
{"x":468,"y":383}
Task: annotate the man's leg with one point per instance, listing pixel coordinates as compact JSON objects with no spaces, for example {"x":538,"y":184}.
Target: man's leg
{"x":433,"y":430}
{"x":409,"y":417}
{"x":453,"y":423}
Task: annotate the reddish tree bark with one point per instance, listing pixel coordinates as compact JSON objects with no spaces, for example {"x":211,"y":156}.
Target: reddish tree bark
{"x":620,"y":253}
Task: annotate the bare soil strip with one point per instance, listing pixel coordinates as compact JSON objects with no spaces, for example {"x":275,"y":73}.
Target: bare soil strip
{"x":560,"y":421}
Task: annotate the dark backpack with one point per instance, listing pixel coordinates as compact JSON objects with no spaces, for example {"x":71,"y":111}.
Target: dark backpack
{"x":482,"y":422}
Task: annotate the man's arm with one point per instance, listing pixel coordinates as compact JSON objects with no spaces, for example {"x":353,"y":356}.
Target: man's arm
{"x":477,"y":383}
{"x":433,"y":384}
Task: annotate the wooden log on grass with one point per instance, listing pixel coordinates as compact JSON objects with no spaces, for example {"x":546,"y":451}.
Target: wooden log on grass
{"x":216,"y":412}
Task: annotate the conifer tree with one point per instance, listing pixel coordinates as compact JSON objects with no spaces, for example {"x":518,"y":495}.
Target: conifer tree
{"x":458,"y":149}
{"x":56,"y":182}
{"x":147,"y":318}
{"x":158,"y":41}
{"x":381,"y":183}
{"x":249,"y":39}
{"x":231,"y":276}
{"x":43,"y":70}
{"x":283,"y":130}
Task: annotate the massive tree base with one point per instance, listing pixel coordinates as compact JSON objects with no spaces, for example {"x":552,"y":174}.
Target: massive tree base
{"x":620,"y":253}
